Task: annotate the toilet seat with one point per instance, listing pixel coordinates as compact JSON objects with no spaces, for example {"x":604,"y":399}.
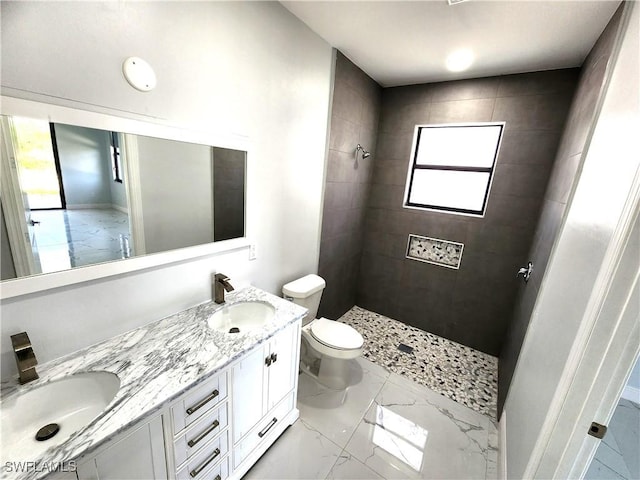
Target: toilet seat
{"x":336,"y":335}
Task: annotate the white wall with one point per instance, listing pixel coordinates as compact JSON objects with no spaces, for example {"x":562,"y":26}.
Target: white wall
{"x":246,"y":67}
{"x":578,"y":262}
{"x":176,"y":186}
{"x":85,"y":165}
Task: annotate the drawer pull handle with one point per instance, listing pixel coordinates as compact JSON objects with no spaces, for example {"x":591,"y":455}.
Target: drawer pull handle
{"x":196,"y":471}
{"x":268,"y":427}
{"x":274,"y":357}
{"x":268,"y":360}
{"x":202,"y":402}
{"x":196,"y":440}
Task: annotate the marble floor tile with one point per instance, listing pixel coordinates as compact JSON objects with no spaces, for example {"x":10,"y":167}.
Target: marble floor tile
{"x":412,"y":432}
{"x":625,"y":428}
{"x":314,"y":456}
{"x":399,"y":429}
{"x":599,"y":471}
{"x":73,"y":238}
{"x":344,"y":409}
{"x":347,"y":467}
{"x":458,"y":372}
{"x":613,"y":460}
{"x":618,"y":455}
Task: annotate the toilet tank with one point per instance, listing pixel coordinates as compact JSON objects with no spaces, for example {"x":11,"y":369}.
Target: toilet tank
{"x":306,"y":292}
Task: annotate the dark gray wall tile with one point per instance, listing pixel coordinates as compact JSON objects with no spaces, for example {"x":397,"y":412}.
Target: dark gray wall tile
{"x":529,"y":147}
{"x":388,"y":244}
{"x":338,"y":195}
{"x":347,"y":103}
{"x":355,"y":114}
{"x":471,"y":305}
{"x":404,"y":118}
{"x":533,"y":112}
{"x":536,"y":83}
{"x":386,"y":196}
{"x":512,"y":210}
{"x":344,"y":135}
{"x":465,"y":89}
{"x":400,"y":96}
{"x":341,"y":166}
{"x":462,"y":111}
{"x":392,"y":146}
{"x":526,"y":180}
{"x":390,"y":173}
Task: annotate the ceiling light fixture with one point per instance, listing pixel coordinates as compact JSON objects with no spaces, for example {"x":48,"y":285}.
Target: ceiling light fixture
{"x":460,"y":60}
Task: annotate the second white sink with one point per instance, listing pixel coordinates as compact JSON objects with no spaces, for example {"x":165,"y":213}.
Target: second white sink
{"x":47,"y":415}
{"x":241,"y":317}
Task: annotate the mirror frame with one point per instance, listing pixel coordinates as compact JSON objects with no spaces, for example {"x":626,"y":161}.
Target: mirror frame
{"x":151,"y":127}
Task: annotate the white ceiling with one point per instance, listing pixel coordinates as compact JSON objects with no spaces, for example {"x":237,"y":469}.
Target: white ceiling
{"x":407,"y":42}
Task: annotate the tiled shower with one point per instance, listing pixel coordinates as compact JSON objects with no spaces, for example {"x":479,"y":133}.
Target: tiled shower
{"x":366,"y":230}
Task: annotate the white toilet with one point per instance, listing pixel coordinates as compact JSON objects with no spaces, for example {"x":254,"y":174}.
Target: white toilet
{"x":327,"y":345}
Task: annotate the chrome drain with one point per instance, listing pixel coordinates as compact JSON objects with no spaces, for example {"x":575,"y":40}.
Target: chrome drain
{"x":47,"y":432}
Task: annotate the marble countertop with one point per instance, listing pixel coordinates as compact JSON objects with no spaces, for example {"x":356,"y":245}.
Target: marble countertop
{"x":155,"y":364}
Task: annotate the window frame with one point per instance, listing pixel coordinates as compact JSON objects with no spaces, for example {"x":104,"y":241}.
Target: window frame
{"x":413,"y":166}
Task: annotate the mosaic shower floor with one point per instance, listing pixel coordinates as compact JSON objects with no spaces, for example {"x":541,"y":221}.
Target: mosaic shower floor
{"x":460,"y":373}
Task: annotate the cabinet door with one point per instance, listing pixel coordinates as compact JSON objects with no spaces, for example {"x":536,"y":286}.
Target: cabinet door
{"x":282,"y":372}
{"x":139,"y":455}
{"x":248,"y":382}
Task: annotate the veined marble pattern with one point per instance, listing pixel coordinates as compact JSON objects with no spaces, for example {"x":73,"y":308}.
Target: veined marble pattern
{"x":460,"y":373}
{"x":73,"y":238}
{"x":155,"y":364}
{"x":618,"y":455}
{"x":382,"y":426}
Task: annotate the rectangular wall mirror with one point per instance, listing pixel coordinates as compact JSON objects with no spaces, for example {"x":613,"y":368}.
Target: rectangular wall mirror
{"x":74,"y":196}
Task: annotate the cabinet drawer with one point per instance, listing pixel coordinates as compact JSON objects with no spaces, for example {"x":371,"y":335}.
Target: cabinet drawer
{"x":200,"y":464}
{"x":197,"y":403}
{"x":261,"y":432}
{"x":200,"y":433}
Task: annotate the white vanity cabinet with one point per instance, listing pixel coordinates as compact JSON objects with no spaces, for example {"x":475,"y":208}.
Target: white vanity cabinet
{"x":139,"y":453}
{"x":200,"y":431}
{"x":263,"y":393}
{"x":216,"y":430}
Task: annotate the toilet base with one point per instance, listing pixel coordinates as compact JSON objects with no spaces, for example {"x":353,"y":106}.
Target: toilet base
{"x":332,"y":373}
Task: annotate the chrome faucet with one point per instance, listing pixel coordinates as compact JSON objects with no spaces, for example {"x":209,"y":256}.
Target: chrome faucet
{"x":25,"y":358}
{"x":221,"y":283}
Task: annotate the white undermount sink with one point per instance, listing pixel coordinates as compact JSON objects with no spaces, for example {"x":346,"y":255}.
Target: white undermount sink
{"x":52,"y":412}
{"x":241,"y":317}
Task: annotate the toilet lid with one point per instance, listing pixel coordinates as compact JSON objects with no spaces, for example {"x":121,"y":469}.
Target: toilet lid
{"x":335,"y":334}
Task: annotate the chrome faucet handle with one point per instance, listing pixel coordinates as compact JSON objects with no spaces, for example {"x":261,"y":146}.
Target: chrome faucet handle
{"x":525,"y":272}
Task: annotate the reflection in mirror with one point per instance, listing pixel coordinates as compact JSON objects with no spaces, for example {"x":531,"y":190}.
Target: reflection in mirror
{"x":74,"y":196}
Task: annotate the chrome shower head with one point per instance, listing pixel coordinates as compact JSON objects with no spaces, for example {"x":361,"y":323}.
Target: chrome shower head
{"x":365,"y":153}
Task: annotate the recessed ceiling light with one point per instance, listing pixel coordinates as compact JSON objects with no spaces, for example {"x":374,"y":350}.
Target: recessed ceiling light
{"x":460,"y":60}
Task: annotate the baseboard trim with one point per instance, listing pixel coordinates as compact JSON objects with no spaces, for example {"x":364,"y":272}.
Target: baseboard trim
{"x":632,"y":394}
{"x":502,"y":446}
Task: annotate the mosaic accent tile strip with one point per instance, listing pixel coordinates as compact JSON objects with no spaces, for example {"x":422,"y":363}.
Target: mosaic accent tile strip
{"x":460,"y":373}
{"x":433,"y":250}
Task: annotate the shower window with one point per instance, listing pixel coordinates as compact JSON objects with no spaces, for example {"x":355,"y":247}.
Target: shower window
{"x":452,"y":167}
